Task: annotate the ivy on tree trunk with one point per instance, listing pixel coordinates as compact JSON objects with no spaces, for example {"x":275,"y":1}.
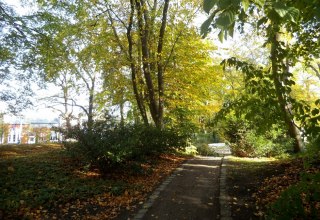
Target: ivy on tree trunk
{"x":282,"y":96}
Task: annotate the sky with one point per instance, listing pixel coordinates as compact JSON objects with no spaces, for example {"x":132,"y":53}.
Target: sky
{"x":39,"y":111}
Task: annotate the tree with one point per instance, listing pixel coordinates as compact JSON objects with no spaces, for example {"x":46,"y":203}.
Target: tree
{"x":65,"y":82}
{"x":15,"y":39}
{"x":275,"y":17}
{"x":145,"y":28}
{"x":193,"y":84}
{"x":71,"y":54}
{"x":174,"y":71}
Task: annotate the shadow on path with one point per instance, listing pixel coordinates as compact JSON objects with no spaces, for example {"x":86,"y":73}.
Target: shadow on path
{"x":192,"y":193}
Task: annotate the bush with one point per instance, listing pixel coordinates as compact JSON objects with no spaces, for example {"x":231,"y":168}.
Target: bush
{"x":246,"y":141}
{"x":205,"y":150}
{"x":108,"y":146}
{"x":312,"y":154}
{"x":201,"y":141}
{"x":300,"y":201}
{"x":190,"y":150}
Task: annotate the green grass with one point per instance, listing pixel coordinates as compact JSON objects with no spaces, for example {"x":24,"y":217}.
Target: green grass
{"x":33,"y":176}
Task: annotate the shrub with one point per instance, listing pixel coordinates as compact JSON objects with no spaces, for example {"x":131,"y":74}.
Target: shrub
{"x":300,"y":201}
{"x":201,"y":141}
{"x":205,"y":150}
{"x":246,"y":141}
{"x":108,"y":146}
{"x":190,"y":150}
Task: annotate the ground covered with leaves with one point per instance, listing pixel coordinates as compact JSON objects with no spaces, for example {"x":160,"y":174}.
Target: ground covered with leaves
{"x":44,"y":182}
{"x":273,"y":189}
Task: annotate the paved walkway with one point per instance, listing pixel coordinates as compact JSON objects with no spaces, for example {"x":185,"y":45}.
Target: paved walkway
{"x":191,"y":193}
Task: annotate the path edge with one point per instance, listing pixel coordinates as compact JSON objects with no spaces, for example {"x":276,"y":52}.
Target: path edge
{"x":145,"y":207}
{"x":225,"y":209}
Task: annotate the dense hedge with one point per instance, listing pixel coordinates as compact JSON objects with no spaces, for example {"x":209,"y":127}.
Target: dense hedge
{"x":106,"y":146}
{"x":245,"y":140}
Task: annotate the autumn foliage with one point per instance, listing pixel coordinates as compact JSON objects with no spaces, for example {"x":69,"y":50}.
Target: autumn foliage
{"x":44,"y":182}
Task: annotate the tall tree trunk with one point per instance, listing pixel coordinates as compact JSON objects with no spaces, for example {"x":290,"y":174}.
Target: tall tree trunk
{"x":138,"y":96}
{"x":91,"y":100}
{"x":133,"y":67}
{"x":160,"y":64}
{"x":282,"y":96}
{"x":155,"y":97}
{"x":65,"y":88}
{"x":144,"y":29}
{"x":67,"y":115}
{"x":121,"y":113}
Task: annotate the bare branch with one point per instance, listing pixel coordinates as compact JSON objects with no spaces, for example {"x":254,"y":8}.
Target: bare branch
{"x":315,"y":70}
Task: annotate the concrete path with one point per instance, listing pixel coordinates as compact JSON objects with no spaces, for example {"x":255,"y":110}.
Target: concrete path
{"x":191,"y":193}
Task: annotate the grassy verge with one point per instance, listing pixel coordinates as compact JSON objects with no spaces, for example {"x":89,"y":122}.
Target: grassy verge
{"x":42,"y":181}
{"x":244,"y":177}
{"x":273,"y":189}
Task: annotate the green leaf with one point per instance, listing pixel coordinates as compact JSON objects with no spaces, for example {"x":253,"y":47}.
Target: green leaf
{"x":208,"y":5}
{"x":231,"y":29}
{"x":262,"y":21}
{"x":221,"y":35}
{"x":285,"y":12}
{"x":225,"y":19}
{"x":224,"y":4}
{"x":205,"y":26}
{"x":280,"y":8}
{"x":290,"y":82}
{"x":245,"y":4}
{"x":292,"y":14}
{"x":259,"y":2}
{"x":315,"y":112}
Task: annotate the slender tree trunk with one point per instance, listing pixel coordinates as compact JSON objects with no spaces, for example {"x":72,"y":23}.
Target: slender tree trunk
{"x":160,"y":64}
{"x":121,"y":113}
{"x":144,"y":29}
{"x":91,"y":100}
{"x":66,"y":110}
{"x":155,"y":98}
{"x":66,"y":115}
{"x":317,"y":71}
{"x":282,"y":96}
{"x":134,"y":79}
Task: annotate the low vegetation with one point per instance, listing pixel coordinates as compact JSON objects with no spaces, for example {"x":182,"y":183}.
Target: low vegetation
{"x":107,"y":146}
{"x":274,"y":189}
{"x":44,"y":181}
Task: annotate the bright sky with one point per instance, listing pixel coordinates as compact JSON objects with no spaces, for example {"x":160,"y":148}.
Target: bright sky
{"x":39,"y":110}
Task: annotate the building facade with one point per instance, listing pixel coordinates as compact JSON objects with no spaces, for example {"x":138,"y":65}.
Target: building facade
{"x":29,"y":133}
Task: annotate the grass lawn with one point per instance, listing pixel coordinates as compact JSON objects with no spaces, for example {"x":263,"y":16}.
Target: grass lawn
{"x":42,"y":181}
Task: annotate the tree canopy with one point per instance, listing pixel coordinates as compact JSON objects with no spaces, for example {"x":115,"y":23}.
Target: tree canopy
{"x":284,"y":25}
{"x":145,"y":62}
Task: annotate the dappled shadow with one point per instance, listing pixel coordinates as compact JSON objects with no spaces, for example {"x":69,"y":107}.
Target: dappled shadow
{"x":244,"y":176}
{"x":192,"y":194}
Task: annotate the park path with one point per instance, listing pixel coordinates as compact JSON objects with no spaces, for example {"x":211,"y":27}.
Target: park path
{"x":191,"y":192}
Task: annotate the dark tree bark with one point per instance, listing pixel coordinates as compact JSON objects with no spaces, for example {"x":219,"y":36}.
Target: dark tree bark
{"x":137,"y":94}
{"x":160,"y":63}
{"x":155,"y":97}
{"x":147,"y":71}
